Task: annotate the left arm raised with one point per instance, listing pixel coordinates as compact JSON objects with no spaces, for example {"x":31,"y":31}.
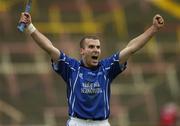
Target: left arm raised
{"x":138,"y":42}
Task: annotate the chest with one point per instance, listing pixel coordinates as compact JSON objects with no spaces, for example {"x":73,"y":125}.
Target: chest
{"x":91,"y":82}
{"x":92,"y":76}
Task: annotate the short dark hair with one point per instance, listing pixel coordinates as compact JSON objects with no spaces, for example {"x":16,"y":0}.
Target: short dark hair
{"x":87,"y":37}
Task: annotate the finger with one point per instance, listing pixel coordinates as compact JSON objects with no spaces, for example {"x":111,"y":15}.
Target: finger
{"x":27,"y":14}
{"x":23,"y":19}
{"x":159,"y":19}
{"x":157,"y":15}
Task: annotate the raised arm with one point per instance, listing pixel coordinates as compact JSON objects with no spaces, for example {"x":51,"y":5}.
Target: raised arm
{"x":39,"y":38}
{"x":138,"y":42}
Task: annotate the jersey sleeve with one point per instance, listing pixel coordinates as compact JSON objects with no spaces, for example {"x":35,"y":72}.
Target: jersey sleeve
{"x":65,"y":66}
{"x":112,"y":66}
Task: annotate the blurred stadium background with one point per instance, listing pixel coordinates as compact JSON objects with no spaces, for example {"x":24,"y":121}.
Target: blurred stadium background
{"x":31,"y":94}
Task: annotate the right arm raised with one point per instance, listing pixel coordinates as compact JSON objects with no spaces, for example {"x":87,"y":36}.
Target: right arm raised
{"x":40,"y":39}
{"x":46,"y":45}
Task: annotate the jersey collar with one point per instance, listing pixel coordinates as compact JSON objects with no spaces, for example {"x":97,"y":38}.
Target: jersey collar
{"x":91,"y":68}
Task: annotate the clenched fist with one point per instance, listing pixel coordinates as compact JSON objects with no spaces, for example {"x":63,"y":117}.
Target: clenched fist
{"x":25,"y":18}
{"x":158,"y":21}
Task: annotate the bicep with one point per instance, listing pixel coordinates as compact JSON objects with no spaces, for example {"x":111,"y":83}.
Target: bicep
{"x":55,"y":53}
{"x":124,"y":55}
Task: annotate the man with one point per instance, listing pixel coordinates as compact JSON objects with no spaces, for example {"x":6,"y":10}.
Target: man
{"x":88,"y":81}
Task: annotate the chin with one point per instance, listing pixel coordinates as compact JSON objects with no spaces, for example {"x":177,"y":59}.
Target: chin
{"x":94,"y":64}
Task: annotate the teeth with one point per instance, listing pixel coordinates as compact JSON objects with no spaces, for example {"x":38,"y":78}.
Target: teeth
{"x":94,"y":57}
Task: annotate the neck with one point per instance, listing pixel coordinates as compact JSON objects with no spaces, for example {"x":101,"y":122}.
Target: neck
{"x":84,"y":63}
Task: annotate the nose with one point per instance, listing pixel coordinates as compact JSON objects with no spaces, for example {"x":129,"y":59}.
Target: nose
{"x":97,"y":50}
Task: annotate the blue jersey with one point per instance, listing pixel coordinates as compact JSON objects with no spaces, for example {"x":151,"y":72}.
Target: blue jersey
{"x":88,"y":90}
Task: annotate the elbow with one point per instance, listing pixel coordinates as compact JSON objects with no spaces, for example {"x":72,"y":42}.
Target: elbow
{"x":134,"y":47}
{"x":131,"y":49}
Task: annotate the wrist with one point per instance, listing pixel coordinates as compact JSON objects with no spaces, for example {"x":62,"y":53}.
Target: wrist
{"x":155,"y":28}
{"x":30,"y":29}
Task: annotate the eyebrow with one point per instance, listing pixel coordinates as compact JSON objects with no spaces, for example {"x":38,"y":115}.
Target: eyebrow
{"x":91,"y":45}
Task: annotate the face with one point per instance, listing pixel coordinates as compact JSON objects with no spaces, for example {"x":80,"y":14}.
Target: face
{"x":91,"y":52}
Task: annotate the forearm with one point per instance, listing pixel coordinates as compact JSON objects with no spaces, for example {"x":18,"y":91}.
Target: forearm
{"x":42,"y":41}
{"x":45,"y":44}
{"x":39,"y":38}
{"x":138,"y":42}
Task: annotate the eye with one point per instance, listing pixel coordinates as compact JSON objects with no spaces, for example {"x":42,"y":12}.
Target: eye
{"x":98,"y":47}
{"x":91,"y":46}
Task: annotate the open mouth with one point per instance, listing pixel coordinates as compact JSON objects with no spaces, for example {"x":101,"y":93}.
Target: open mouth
{"x":94,"y":57}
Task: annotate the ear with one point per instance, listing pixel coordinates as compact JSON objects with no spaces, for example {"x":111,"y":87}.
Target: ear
{"x":81,"y":51}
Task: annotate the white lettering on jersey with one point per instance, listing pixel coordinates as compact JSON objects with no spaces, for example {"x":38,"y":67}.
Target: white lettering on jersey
{"x":91,"y":88}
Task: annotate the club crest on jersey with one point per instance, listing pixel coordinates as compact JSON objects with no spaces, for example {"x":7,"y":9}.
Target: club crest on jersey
{"x":81,"y":75}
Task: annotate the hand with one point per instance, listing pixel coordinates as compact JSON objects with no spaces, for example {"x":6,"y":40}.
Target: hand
{"x":25,"y":18}
{"x":158,"y":22}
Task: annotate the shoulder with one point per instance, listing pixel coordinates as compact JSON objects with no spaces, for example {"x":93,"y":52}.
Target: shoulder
{"x":111,"y":59}
{"x":65,"y":57}
{"x":65,"y":61}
